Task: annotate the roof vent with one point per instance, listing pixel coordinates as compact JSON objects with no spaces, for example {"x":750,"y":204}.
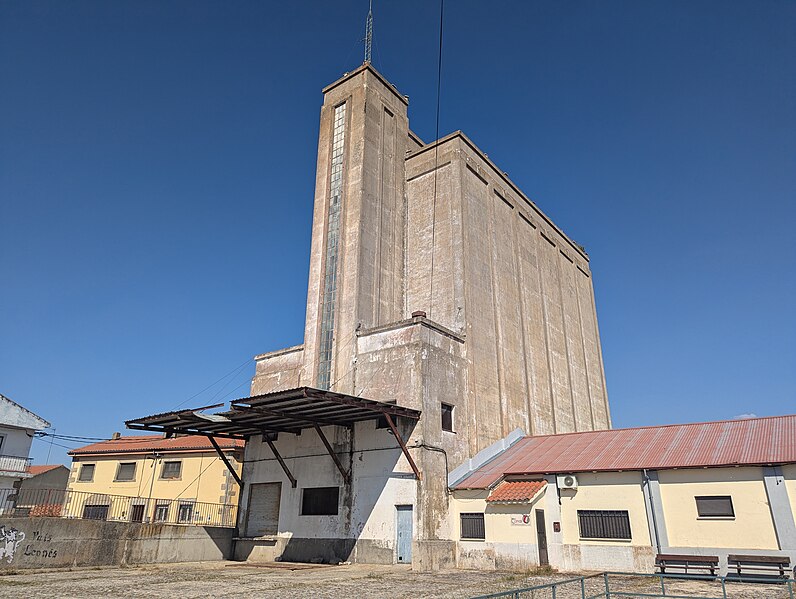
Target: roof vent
{"x":116,"y":436}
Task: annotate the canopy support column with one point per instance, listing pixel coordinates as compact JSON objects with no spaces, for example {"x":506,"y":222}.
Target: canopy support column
{"x":226,"y":461}
{"x":281,"y":461}
{"x":395,"y":432}
{"x":346,"y":475}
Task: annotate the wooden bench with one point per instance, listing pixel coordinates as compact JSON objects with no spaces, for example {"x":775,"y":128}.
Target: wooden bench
{"x":762,"y":568}
{"x":687,"y":565}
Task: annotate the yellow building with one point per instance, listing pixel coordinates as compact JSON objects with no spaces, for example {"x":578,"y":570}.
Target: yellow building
{"x":155,"y":479}
{"x":614,"y":499}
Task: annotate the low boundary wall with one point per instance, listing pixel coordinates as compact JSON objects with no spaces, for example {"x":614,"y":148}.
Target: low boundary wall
{"x":62,"y":543}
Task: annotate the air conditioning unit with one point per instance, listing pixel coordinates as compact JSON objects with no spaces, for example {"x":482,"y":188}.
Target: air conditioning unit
{"x":567,"y":481}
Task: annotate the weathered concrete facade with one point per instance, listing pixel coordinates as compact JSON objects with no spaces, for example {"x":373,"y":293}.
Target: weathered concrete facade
{"x":433,"y":280}
{"x":66,"y":543}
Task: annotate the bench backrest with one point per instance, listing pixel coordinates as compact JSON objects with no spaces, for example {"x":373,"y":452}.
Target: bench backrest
{"x":691,"y":559}
{"x":775,"y":560}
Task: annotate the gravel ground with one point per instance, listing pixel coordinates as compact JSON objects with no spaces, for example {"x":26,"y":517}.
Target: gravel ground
{"x":231,"y":579}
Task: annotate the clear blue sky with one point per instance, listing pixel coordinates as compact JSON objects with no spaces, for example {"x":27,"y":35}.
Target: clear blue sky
{"x":157,"y":169}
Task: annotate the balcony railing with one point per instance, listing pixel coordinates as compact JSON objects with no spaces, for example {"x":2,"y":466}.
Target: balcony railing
{"x":61,"y":503}
{"x":13,"y":463}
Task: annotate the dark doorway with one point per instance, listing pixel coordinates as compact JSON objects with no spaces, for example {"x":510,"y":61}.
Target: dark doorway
{"x":541,"y":538}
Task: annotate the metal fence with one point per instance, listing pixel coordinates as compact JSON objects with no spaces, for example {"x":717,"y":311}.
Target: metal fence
{"x":608,"y":585}
{"x":13,"y":463}
{"x":61,"y":503}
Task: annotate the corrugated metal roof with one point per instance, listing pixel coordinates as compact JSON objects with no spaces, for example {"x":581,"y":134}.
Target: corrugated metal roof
{"x":723,"y":443}
{"x":516,"y":491}
{"x":149,"y":443}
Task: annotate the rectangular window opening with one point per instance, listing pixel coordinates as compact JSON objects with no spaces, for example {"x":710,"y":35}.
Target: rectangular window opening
{"x":161,"y":512}
{"x":472,"y":526}
{"x":320,"y":501}
{"x":125,"y":471}
{"x":447,"y":417}
{"x":86,"y":473}
{"x":715,"y":506}
{"x":171,"y":470}
{"x":604,"y":524}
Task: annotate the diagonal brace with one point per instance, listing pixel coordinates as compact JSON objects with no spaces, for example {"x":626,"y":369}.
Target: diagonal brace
{"x":281,"y":462}
{"x":403,"y":445}
{"x":346,"y":475}
{"x":225,"y":460}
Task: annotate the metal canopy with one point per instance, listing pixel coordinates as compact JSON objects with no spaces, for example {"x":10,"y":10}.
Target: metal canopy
{"x":280,"y":412}
{"x":288,"y":411}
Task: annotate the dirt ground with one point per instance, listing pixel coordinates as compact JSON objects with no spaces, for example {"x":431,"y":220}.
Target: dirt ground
{"x":232,"y":579}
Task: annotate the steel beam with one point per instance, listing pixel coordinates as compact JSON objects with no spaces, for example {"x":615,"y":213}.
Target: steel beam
{"x":226,"y":461}
{"x":281,"y":462}
{"x":346,"y":475}
{"x":403,"y":445}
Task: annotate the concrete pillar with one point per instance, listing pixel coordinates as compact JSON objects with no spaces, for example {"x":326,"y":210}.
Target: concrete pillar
{"x":656,"y":520}
{"x":781,"y":512}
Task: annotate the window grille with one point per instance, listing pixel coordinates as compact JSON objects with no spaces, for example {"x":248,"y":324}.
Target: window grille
{"x":161,"y":512}
{"x":604,"y":524}
{"x":332,"y":242}
{"x":472,"y":526}
{"x":716,"y":506}
{"x":185,"y":512}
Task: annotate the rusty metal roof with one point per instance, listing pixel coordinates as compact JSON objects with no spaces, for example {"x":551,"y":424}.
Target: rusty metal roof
{"x":516,"y":491}
{"x":753,"y":441}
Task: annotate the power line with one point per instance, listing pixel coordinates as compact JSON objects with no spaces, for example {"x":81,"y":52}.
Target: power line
{"x":233,"y":371}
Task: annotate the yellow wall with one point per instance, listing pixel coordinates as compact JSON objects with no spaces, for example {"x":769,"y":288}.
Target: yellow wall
{"x":498,"y":527}
{"x":751,"y":528}
{"x":605,"y":491}
{"x":203,"y":477}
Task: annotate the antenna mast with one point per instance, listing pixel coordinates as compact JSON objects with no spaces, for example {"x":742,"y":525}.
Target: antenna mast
{"x":369,"y":32}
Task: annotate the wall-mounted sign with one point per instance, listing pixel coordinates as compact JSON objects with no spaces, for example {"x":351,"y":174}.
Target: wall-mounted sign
{"x":524,"y":520}
{"x":556,"y":526}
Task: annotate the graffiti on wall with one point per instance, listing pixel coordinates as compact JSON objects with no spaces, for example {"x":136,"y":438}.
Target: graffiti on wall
{"x":10,"y":540}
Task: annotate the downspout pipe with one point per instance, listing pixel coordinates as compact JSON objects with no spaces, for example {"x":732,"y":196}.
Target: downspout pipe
{"x":652,"y":510}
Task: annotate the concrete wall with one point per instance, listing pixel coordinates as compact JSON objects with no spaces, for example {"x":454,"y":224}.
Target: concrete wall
{"x":57,"y":478}
{"x":63,"y":543}
{"x":204,"y":476}
{"x":484,"y":261}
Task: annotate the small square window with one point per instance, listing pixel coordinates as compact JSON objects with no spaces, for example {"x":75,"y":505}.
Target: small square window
{"x":185,"y":512}
{"x":472,"y":526}
{"x":125,"y":471}
{"x":321,"y":501}
{"x":171,"y":470}
{"x":447,"y":417}
{"x":716,"y":506}
{"x":86,"y":473}
{"x":161,"y":512}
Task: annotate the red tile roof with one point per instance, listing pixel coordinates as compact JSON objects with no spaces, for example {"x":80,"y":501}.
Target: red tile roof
{"x":42,"y":468}
{"x":516,"y":491}
{"x":753,"y":441}
{"x":149,"y":443}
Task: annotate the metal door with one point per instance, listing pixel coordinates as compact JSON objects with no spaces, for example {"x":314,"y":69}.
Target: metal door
{"x":541,"y":538}
{"x":263,"y":510}
{"x":404,"y":533}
